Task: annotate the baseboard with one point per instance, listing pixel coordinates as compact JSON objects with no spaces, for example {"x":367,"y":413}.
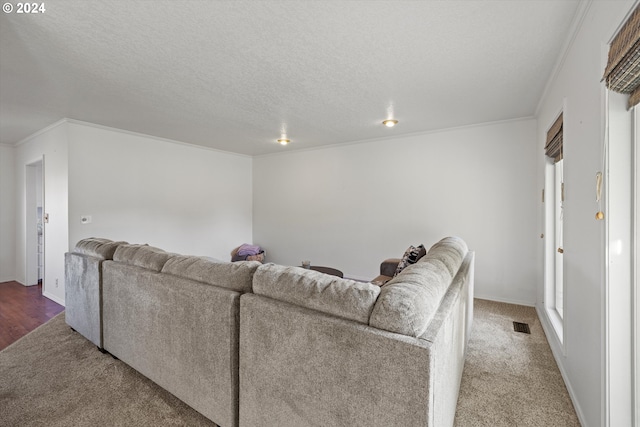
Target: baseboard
{"x":7,"y":279}
{"x":54,"y":298}
{"x":505,"y":300}
{"x":559,"y":358}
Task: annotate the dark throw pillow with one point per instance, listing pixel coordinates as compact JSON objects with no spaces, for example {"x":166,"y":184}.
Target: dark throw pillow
{"x":411,"y":256}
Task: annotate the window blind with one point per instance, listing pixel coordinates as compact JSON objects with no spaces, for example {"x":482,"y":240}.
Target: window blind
{"x":553,"y":148}
{"x":622,"y":74}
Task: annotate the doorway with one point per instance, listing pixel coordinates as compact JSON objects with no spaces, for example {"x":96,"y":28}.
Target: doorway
{"x":35,"y":219}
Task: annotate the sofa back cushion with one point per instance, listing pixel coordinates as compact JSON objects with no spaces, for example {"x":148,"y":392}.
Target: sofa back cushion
{"x":318,"y":291}
{"x":237,"y":276}
{"x":450,"y":251}
{"x":181,"y":334}
{"x":408,"y":302}
{"x":97,"y":247}
{"x":144,"y":256}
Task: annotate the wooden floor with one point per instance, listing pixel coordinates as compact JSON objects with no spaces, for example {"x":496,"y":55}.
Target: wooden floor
{"x":22,"y":309}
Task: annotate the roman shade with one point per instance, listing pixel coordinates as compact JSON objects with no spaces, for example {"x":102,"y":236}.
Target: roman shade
{"x":553,"y":148}
{"x":622,"y":74}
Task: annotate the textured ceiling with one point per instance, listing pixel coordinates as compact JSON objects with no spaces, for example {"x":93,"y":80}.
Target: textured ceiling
{"x":235,"y":75}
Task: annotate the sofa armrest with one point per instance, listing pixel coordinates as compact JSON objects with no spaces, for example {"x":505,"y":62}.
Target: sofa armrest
{"x":381,"y":280}
{"x":388,"y":266}
{"x":387,"y":270}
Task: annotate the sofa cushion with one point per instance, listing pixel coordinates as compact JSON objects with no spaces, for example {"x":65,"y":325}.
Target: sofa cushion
{"x":450,"y":251}
{"x":144,"y":256}
{"x":237,"y":276}
{"x":97,"y":247}
{"x":318,"y":291}
{"x":453,"y":244}
{"x":408,"y":302}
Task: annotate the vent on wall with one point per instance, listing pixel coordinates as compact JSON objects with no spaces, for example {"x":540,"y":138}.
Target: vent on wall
{"x":521,"y":327}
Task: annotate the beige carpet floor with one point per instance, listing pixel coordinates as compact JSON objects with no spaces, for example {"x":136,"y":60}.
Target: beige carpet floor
{"x":54,"y":377}
{"x":511,"y":378}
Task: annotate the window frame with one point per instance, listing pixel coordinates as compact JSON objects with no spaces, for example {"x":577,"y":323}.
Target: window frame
{"x":552,"y":228}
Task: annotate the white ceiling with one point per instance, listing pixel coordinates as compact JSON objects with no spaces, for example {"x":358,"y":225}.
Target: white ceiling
{"x":234,"y":75}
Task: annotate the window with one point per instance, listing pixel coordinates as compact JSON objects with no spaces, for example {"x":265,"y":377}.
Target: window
{"x":554,"y":214}
{"x":558,"y":190}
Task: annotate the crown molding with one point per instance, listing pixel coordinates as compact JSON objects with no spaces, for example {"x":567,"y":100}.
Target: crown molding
{"x":158,"y":138}
{"x":40,"y":132}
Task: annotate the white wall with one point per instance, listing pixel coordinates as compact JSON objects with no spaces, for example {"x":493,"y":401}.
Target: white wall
{"x":50,"y":144}
{"x":577,"y":86}
{"x":352,"y":206}
{"x":7,"y":214}
{"x":141,"y":189}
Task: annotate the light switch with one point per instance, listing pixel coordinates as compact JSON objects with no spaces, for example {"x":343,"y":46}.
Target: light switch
{"x":85,"y":219}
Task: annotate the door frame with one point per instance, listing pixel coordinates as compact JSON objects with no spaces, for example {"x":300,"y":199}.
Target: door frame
{"x":618,"y":345}
{"x":34,"y":191}
{"x":635,"y":247}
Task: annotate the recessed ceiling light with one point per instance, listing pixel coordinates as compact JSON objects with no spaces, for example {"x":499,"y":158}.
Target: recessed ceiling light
{"x":390,"y":123}
{"x":283,"y":141}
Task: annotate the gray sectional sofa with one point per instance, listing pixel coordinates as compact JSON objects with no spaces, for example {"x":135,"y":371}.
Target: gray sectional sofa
{"x":83,"y":286}
{"x":267,"y":345}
